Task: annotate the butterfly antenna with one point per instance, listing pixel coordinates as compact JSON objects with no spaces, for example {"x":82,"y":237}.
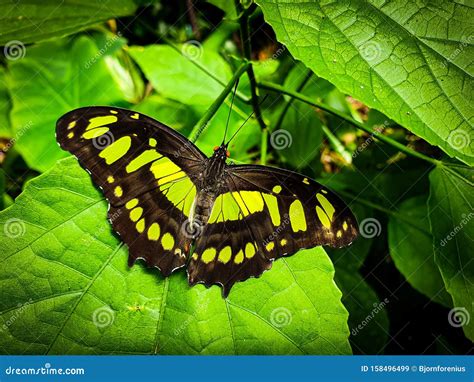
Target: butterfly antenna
{"x":230,"y":110}
{"x":246,"y":120}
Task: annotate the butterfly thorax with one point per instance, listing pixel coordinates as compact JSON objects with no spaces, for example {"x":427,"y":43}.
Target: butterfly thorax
{"x":209,"y":185}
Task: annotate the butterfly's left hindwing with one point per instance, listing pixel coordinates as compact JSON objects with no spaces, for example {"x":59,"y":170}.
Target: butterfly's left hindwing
{"x":146,"y":171}
{"x":263,"y":214}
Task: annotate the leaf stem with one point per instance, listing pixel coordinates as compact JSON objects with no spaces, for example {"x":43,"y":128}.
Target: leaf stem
{"x":278,"y":88}
{"x":264,"y":146}
{"x":202,"y":123}
{"x":247,"y":50}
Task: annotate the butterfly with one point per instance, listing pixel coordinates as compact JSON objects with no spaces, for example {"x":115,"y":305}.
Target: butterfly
{"x":175,"y":207}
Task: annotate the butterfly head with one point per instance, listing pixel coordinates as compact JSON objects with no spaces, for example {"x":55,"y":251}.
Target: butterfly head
{"x":221,"y":152}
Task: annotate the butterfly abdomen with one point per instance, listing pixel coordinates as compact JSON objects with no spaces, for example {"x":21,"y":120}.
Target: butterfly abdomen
{"x":203,"y":204}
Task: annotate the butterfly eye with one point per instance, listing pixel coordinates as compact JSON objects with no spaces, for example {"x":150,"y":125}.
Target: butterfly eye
{"x":227,"y":153}
{"x":215,"y":148}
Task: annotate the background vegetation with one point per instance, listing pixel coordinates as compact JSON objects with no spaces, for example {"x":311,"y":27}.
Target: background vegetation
{"x":372,"y":98}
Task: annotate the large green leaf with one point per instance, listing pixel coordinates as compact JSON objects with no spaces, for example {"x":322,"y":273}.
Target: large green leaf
{"x":411,"y":248}
{"x":177,"y":75}
{"x":368,"y":318}
{"x":410,"y":60}
{"x":65,"y":274}
{"x":22,"y":22}
{"x":54,"y":78}
{"x":171,"y":113}
{"x":451,"y":210}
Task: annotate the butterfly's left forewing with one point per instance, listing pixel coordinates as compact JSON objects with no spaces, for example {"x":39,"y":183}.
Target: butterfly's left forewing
{"x":265,"y":213}
{"x":146,"y":172}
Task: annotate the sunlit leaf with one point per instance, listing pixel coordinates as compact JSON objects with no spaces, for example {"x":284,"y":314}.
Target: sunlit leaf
{"x":411,"y":61}
{"x":23,"y":22}
{"x":54,"y":78}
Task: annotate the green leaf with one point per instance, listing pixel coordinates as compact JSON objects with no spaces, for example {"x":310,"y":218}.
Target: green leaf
{"x":451,"y":209}
{"x":408,"y":60}
{"x":298,"y":138}
{"x":177,"y":75}
{"x":298,"y":141}
{"x":368,"y":318}
{"x":171,"y":113}
{"x":24,"y":22}
{"x":121,"y":66}
{"x":5,"y":106}
{"x":54,"y":78}
{"x":64,"y":273}
{"x":411,"y":248}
